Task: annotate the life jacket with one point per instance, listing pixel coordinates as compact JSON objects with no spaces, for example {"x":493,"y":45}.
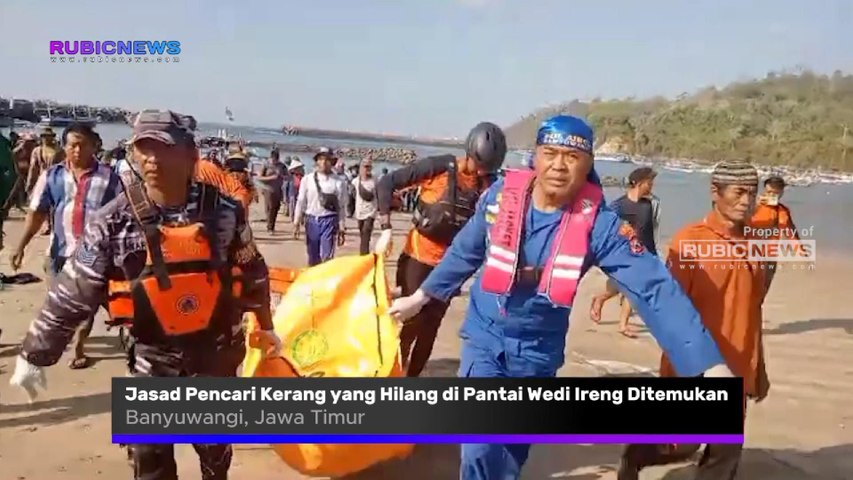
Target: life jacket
{"x":185,"y":292}
{"x":558,"y":280}
{"x":441,"y":220}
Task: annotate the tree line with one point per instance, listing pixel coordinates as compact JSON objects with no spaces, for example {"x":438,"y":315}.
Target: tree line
{"x":800,"y":119}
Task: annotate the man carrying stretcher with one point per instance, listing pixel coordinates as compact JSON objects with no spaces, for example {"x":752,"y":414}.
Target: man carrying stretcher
{"x":186,"y":251}
{"x":534,"y":234}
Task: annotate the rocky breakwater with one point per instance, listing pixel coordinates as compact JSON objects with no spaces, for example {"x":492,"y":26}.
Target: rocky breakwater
{"x":387,"y":154}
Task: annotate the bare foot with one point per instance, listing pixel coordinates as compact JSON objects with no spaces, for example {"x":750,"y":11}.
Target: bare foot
{"x":595,"y":308}
{"x":628,"y":332}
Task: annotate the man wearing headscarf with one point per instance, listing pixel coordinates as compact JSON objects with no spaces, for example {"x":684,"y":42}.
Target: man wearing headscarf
{"x":728,"y":292}
{"x":518,"y":314}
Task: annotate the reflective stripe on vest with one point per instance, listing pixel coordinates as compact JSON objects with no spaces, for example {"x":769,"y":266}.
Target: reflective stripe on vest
{"x":562,"y":270}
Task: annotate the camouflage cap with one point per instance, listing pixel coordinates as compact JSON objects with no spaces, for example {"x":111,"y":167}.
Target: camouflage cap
{"x":164,"y":126}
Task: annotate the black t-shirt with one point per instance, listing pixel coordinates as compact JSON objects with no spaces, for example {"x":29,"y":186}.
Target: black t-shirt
{"x":641,"y":216}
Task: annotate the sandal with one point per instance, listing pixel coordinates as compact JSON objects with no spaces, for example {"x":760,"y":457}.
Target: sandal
{"x":79,"y":363}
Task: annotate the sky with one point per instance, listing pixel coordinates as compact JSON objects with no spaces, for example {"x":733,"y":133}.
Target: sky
{"x":414,"y":67}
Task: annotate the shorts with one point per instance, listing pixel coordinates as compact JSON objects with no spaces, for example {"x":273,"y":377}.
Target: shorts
{"x":611,"y":286}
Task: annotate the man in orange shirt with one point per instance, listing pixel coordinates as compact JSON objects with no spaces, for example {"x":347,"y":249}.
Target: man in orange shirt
{"x":212,"y":174}
{"x":772,"y":220}
{"x":727,"y":289}
{"x":449,"y":190}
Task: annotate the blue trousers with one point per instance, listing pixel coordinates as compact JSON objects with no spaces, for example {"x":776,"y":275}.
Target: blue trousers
{"x":484,"y":461}
{"x":321,"y":235}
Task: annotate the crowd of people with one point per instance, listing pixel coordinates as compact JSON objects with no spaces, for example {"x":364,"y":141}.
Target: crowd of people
{"x":112,"y":215}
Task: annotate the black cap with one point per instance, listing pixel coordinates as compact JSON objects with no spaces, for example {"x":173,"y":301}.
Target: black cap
{"x":641,"y":174}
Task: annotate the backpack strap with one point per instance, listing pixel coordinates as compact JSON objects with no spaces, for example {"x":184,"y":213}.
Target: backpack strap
{"x":207,"y":202}
{"x":148,"y":218}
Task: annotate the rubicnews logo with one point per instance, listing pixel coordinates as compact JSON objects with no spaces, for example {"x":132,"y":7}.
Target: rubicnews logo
{"x":748,"y":251}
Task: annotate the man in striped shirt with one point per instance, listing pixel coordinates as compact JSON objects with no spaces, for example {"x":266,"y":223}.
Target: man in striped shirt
{"x":69,"y":193}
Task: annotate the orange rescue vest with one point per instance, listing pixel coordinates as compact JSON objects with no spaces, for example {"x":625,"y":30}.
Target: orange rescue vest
{"x":185,"y":290}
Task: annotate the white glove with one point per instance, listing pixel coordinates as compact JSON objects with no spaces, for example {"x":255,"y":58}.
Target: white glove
{"x":28,"y":376}
{"x":272,"y":344}
{"x":404,"y":308}
{"x":384,"y":243}
{"x":719,"y":371}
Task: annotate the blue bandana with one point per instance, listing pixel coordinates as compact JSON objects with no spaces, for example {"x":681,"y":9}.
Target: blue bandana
{"x":566,"y":131}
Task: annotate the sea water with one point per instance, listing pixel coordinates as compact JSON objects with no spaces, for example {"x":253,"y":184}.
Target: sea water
{"x":824,"y":209}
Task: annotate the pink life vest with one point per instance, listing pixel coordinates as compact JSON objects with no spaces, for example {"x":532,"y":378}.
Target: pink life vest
{"x":562,"y":270}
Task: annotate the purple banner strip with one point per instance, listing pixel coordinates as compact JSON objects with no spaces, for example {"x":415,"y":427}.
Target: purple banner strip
{"x":428,"y":438}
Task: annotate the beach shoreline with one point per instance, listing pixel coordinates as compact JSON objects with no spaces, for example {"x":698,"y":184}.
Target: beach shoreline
{"x":800,"y":432}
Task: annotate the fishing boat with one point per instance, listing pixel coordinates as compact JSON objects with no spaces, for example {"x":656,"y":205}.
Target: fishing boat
{"x":65,"y":118}
{"x":613,"y":158}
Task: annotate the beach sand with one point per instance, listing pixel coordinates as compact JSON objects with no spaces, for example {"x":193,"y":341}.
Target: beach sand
{"x":804,"y":430}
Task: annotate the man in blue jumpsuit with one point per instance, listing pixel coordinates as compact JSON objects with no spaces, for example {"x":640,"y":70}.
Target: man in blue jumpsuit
{"x":523,"y":334}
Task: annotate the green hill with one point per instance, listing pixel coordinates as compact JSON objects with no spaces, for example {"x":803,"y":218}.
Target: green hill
{"x":785,"y":119}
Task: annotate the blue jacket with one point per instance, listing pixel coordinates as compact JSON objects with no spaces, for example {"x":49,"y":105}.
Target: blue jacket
{"x":537,"y":327}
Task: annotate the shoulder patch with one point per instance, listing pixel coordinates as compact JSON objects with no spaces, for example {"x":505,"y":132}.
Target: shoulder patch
{"x":86,"y":255}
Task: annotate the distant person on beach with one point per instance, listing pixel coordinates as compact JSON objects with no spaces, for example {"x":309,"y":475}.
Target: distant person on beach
{"x":450,"y":187}
{"x":351,"y":174}
{"x":297,"y":171}
{"x":71,"y":192}
{"x":529,"y":259}
{"x":365,"y":204}
{"x":8,"y":178}
{"x":635,"y":208}
{"x":320,"y":206}
{"x":728,"y":297}
{"x":204,"y":238}
{"x":656,"y":215}
{"x":46,"y":155}
{"x":773,"y":219}
{"x":21,"y":155}
{"x":272,"y":176}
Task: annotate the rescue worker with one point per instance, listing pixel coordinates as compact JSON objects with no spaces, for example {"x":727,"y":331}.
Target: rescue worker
{"x":518,"y":314}
{"x":237,"y":167}
{"x":183,"y":323}
{"x":320,"y":206}
{"x":209,"y":172}
{"x":450,"y":188}
{"x":728,"y":294}
{"x":68,"y":195}
{"x":773,"y":219}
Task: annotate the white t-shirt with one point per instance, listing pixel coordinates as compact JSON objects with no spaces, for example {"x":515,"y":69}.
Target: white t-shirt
{"x":363,"y":208}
